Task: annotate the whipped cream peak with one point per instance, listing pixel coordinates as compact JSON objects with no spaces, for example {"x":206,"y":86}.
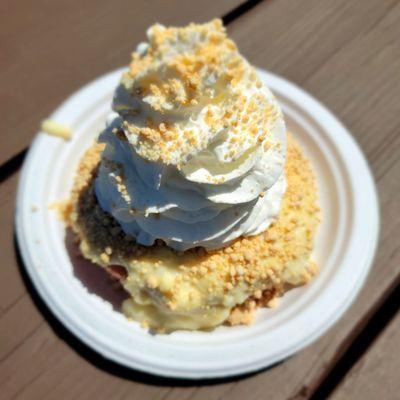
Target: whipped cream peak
{"x":188,"y":88}
{"x":196,"y":145}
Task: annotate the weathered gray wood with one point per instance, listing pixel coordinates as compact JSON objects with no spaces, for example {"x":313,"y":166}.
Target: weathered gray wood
{"x":376,"y":374}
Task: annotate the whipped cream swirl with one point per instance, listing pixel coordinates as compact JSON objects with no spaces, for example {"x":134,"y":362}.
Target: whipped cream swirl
{"x":195,"y":149}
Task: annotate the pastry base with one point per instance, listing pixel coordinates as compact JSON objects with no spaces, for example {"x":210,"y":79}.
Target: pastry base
{"x":199,"y":289}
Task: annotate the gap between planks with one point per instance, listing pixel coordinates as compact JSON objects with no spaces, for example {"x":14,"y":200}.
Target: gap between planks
{"x":360,"y":345}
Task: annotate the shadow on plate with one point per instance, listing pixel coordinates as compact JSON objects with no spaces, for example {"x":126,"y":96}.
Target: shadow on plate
{"x":97,"y":281}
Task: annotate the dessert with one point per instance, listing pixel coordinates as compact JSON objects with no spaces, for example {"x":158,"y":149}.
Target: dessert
{"x":195,"y":196}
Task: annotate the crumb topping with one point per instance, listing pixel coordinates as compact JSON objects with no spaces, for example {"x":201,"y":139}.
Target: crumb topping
{"x":260,"y":267}
{"x":54,"y":128}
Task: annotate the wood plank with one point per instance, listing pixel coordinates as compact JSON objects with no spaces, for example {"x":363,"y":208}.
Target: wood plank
{"x":376,"y":375}
{"x":11,"y":285}
{"x":50,"y":49}
{"x":345,"y":53}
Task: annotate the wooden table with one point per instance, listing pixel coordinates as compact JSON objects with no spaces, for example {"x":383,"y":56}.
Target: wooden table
{"x":345,"y":52}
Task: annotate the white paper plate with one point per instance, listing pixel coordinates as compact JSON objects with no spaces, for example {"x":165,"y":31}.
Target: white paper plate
{"x":344,"y":250}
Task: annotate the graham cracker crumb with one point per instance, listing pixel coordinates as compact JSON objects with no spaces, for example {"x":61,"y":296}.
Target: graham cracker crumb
{"x":54,"y":128}
{"x":273,"y":303}
{"x":63,"y":209}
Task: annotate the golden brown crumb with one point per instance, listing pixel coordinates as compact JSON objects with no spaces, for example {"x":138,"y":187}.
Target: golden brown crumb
{"x":62,"y":207}
{"x":105,"y":258}
{"x":54,"y":128}
{"x":273,"y":303}
{"x":240,"y":316}
{"x":152,"y":282}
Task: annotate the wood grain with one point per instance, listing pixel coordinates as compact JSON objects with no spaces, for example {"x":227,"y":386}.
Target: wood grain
{"x":347,"y":54}
{"x":51,"y":48}
{"x":11,"y":285}
{"x":375,"y":376}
